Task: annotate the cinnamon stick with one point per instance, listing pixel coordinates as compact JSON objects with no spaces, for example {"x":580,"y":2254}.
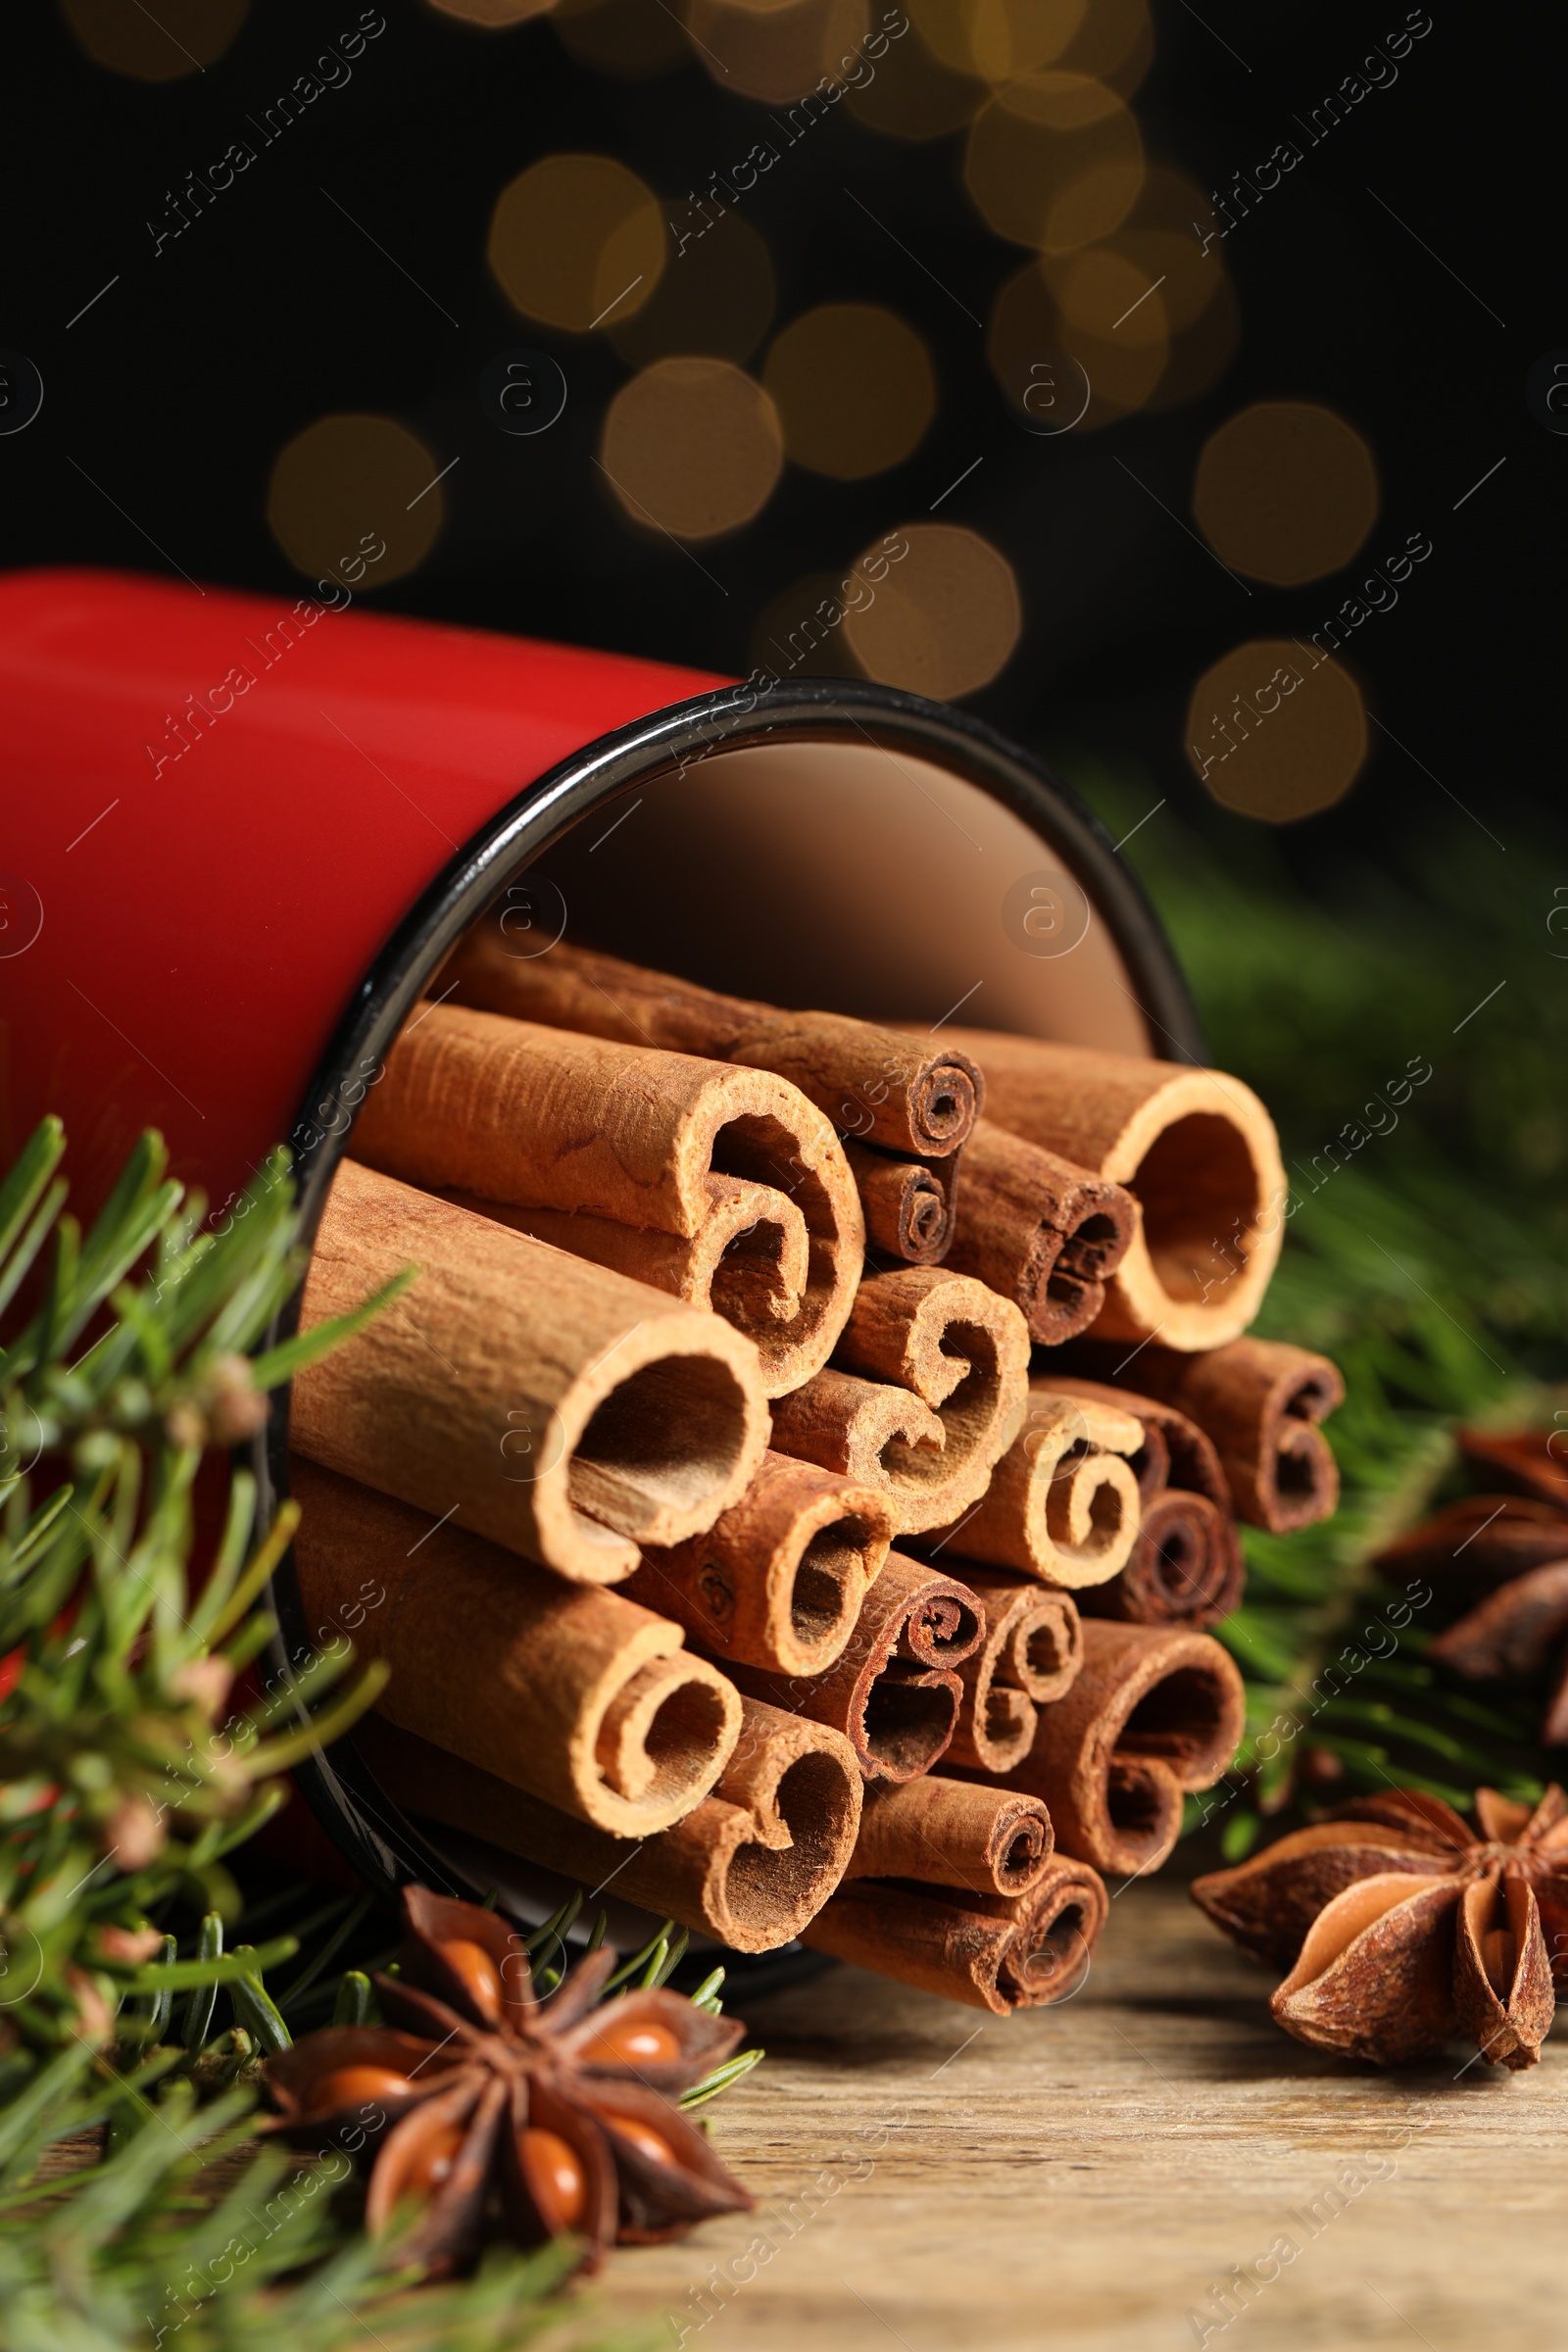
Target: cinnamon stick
{"x":565,"y":1411}
{"x":1059,"y":1919}
{"x":1186,"y":1567}
{"x":722,"y":1186}
{"x":953,"y":1833}
{"x":917,"y":1939}
{"x":1259,"y":1402}
{"x":780,"y":1579}
{"x":1063,"y":1504}
{"x":750,"y":1865}
{"x":582,"y":1697}
{"x":1033,"y":1653}
{"x":894,"y":1692}
{"x":875,"y":1083}
{"x":908,"y":1203}
{"x":1155,"y":1713}
{"x":1196,"y":1148}
{"x":957,"y":1352}
{"x":991,"y":1951}
{"x":1040,"y":1231}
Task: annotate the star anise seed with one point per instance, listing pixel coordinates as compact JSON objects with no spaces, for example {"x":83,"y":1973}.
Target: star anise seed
{"x":482,"y":2102}
{"x":1397,"y":1923}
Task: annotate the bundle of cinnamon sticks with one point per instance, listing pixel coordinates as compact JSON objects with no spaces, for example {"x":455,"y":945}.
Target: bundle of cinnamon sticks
{"x":806,"y":1465}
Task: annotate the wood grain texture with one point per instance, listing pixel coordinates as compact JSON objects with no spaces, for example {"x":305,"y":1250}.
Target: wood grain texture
{"x":1077,"y":2178}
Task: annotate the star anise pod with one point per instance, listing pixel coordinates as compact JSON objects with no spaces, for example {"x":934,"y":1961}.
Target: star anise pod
{"x":483,"y":2102}
{"x":1397,"y":1923}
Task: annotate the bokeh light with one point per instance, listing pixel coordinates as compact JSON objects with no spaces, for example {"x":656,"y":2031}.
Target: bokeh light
{"x":623,"y":37}
{"x":854,"y":389}
{"x":494,"y":12}
{"x":800,"y":633}
{"x":913,"y":95}
{"x":692,"y":446}
{"x":1286,"y":492}
{"x":179,"y":37}
{"x":577,"y":239}
{"x":716,"y":296}
{"x":1114,"y":41}
{"x":1054,"y":161}
{"x":997,"y":40}
{"x":776,"y":50}
{"x":345,"y":483}
{"x":945,"y":615}
{"x":1275,"y":730}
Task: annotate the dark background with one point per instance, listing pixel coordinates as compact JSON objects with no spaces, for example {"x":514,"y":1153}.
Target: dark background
{"x":176,"y":390}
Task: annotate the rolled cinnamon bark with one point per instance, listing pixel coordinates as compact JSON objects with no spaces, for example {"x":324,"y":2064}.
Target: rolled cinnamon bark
{"x":953,"y":1833}
{"x":1258,"y":1401}
{"x":1042,"y":1232}
{"x":991,"y":1951}
{"x":918,"y":1939}
{"x":722,"y":1186}
{"x":1033,"y":1653}
{"x":1059,"y":1919}
{"x":1155,"y":1713}
{"x":954,"y":1347}
{"x":780,"y":1579}
{"x":908,"y":1203}
{"x":750,"y":1865}
{"x":585,"y":1700}
{"x":895,"y":1691}
{"x":565,"y":1411}
{"x":1196,"y":1148}
{"x":877,"y":1084}
{"x":1186,"y":1567}
{"x":1063,"y":1504}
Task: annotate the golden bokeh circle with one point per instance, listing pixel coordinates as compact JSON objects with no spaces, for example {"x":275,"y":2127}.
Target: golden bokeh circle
{"x":576,"y":240}
{"x":779,"y":51}
{"x":1286,"y":492}
{"x":692,"y":447}
{"x":997,"y":40}
{"x":177,"y":38}
{"x":1277,"y":731}
{"x":854,"y":389}
{"x":349,"y":481}
{"x":945,"y":615}
{"x":493,"y":13}
{"x":1114,"y":41}
{"x":913,"y":95}
{"x":1054,"y":161}
{"x":717,"y":297}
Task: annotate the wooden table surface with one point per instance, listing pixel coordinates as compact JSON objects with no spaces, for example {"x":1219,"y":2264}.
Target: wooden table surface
{"x":1087,"y":2176}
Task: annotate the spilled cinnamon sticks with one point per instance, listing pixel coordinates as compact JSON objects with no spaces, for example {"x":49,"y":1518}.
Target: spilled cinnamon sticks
{"x":585,"y":1700}
{"x":1063,"y":1504}
{"x":570,"y":1413}
{"x":663,"y":1166}
{"x":779,"y":1580}
{"x":925,"y":1392}
{"x":1195,"y":1147}
{"x":1186,"y":1566}
{"x":1033,"y":1654}
{"x":749,"y":1864}
{"x":1039,"y":1231}
{"x":1259,"y":1402}
{"x":877,"y":1084}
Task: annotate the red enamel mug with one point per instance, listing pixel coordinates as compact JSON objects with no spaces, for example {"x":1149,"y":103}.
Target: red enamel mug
{"x":242,"y":833}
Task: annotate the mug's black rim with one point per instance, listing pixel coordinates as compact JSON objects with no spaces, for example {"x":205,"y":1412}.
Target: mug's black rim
{"x":373,"y":1835}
